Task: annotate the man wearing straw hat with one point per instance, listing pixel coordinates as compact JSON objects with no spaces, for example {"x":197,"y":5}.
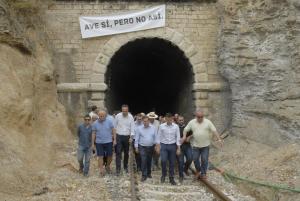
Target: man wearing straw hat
{"x":155,"y":123}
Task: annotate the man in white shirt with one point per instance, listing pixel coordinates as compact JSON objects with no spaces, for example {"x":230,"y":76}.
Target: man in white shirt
{"x":168,"y":144}
{"x":124,"y":125}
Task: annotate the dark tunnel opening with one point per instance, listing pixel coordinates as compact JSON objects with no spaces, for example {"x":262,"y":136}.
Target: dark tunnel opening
{"x":150,"y":74}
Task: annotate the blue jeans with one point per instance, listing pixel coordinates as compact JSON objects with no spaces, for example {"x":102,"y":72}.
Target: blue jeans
{"x":186,"y":151}
{"x":83,"y":157}
{"x":168,"y":153}
{"x":202,"y":152}
{"x":146,"y":154}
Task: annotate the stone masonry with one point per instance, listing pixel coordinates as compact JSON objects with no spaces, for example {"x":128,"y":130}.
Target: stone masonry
{"x":191,"y":26}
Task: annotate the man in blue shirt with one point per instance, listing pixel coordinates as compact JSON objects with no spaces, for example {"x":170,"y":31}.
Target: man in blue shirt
{"x":144,"y":141}
{"x":103,"y":135}
{"x":168,"y":144}
{"x":138,"y":122}
{"x":84,"y":133}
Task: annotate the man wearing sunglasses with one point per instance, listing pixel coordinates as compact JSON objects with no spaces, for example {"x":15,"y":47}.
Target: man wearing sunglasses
{"x":203,"y":130}
{"x":84,"y":133}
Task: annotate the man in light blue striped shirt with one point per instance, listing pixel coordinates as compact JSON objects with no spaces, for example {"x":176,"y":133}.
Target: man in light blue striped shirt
{"x":144,"y":141}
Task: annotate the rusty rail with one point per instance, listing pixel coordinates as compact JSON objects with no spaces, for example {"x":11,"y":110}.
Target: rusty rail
{"x":212,"y":188}
{"x":133,"y":182}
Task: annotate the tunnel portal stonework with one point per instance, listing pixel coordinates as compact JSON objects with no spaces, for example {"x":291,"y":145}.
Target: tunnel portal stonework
{"x":191,"y":26}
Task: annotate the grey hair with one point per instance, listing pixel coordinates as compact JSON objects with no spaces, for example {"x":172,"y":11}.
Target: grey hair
{"x":198,"y":110}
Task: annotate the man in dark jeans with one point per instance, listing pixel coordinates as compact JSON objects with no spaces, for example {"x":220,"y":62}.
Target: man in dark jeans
{"x":203,"y":130}
{"x":138,"y":122}
{"x":186,"y":151}
{"x":84,"y":151}
{"x":168,"y":144}
{"x":124,"y":125}
{"x":144,"y":140}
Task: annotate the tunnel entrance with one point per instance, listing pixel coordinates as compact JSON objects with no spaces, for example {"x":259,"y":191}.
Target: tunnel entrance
{"x":150,"y":74}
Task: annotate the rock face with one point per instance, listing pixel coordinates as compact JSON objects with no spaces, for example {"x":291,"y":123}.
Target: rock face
{"x":259,"y":56}
{"x":32,"y":122}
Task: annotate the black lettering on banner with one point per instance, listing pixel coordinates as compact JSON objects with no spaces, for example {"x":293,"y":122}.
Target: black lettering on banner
{"x":92,"y":26}
{"x":124,"y":21}
{"x":140,"y":19}
{"x":155,"y":16}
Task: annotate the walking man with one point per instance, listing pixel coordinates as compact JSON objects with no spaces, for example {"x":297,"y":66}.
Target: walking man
{"x":103,"y":135}
{"x":124,"y":124}
{"x":144,"y":141}
{"x":168,"y":145}
{"x":152,"y":118}
{"x":185,"y":152}
{"x":84,"y":133}
{"x":203,"y":130}
{"x":138,"y":122}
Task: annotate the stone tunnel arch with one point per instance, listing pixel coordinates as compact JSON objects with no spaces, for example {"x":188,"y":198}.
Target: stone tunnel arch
{"x":150,"y":74}
{"x":176,"y":39}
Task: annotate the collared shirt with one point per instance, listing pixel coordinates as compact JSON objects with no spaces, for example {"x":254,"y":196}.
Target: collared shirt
{"x":136,"y":125}
{"x":145,"y":136}
{"x":202,"y":132}
{"x":110,"y":117}
{"x":124,"y":125}
{"x":103,"y":131}
{"x":85,"y":135}
{"x":92,"y":113}
{"x":168,"y":134}
{"x":155,"y":124}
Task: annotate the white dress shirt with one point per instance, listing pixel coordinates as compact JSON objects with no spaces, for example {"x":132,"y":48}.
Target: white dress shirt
{"x":168,"y":134}
{"x":124,"y":124}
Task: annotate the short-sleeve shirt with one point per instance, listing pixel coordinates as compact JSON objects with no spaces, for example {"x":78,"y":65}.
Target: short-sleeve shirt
{"x":103,"y":131}
{"x":202,"y":132}
{"x":85,"y":135}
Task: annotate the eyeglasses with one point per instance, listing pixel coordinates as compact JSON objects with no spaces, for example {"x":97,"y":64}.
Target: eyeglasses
{"x":199,"y":117}
{"x":87,"y":119}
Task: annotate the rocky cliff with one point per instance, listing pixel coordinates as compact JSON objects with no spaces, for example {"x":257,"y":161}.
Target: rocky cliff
{"x":260,"y":57}
{"x":32,"y":122}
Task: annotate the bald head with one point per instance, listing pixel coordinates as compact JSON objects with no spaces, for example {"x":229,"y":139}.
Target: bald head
{"x":102,"y":115}
{"x":199,"y":115}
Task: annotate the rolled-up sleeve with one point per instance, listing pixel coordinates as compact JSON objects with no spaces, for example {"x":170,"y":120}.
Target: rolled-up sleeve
{"x":132,"y":126}
{"x":157,"y":140}
{"x":177,"y":136}
{"x":137,"y":138}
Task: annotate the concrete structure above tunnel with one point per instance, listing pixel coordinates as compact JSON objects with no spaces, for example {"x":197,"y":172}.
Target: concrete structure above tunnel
{"x":191,"y":26}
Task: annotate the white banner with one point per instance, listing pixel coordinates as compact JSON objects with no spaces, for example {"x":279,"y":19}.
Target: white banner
{"x":122,"y":23}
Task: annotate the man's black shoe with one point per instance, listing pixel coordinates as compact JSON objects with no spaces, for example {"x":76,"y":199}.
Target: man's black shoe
{"x":143,"y":179}
{"x":162,"y":179}
{"x":172,"y":181}
{"x":149,"y":176}
{"x":126,"y":170}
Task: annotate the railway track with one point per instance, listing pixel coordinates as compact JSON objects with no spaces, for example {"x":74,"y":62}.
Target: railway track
{"x":153,"y":190}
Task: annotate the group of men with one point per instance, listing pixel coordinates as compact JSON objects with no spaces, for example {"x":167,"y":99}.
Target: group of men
{"x":168,"y":139}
